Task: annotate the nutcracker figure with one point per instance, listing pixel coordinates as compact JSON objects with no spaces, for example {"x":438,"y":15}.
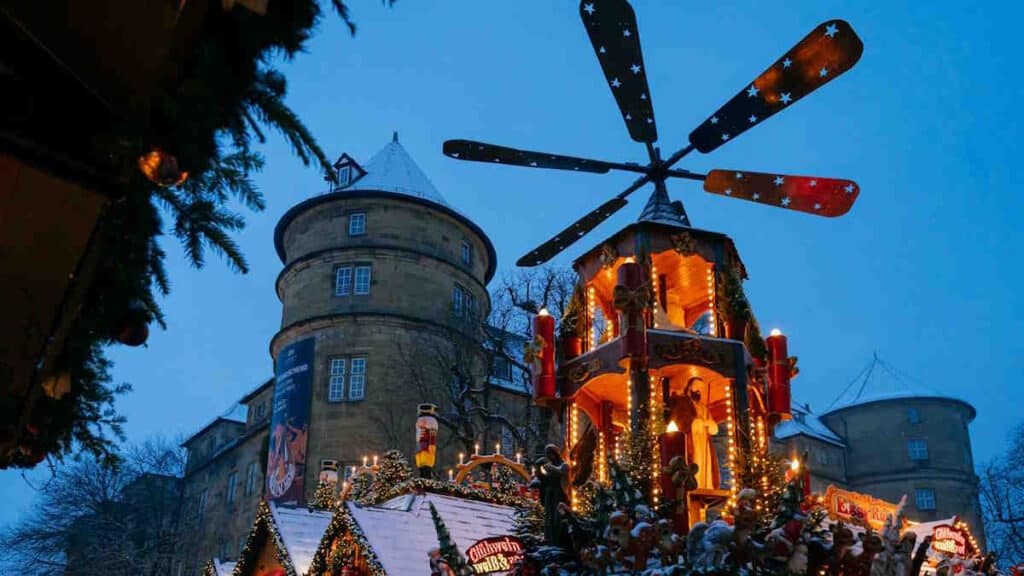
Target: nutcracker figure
{"x":426,"y":439}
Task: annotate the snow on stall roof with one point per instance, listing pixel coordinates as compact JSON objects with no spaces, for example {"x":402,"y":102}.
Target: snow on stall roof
{"x":301,"y":531}
{"x":393,"y":170}
{"x":806,"y":423}
{"x":223,"y":568}
{"x":402,"y":532}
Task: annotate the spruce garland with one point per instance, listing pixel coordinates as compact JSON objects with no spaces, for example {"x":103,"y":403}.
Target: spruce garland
{"x":449,"y":550}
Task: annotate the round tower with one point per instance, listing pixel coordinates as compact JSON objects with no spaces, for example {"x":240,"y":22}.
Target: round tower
{"x":374,"y":266}
{"x":913,"y":443}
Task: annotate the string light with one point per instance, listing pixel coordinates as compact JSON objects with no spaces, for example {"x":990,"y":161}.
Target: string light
{"x":711,"y":300}
{"x":573,"y":439}
{"x":654,"y":286}
{"x":653,"y":431}
{"x":602,"y":458}
{"x":591,"y":340}
{"x":733,"y":484}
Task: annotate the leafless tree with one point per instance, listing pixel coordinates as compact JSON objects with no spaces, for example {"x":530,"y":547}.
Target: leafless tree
{"x":1002,"y":501}
{"x":89,"y":518}
{"x":456,"y":370}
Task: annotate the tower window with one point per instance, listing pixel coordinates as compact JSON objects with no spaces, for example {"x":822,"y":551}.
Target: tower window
{"x":336,"y":386}
{"x":201,"y":508}
{"x":343,"y":281}
{"x":357,"y":379}
{"x":467,"y":253}
{"x":501,"y":368}
{"x":344,"y":175}
{"x":463,"y":304}
{"x":355,"y":375}
{"x":924,"y":499}
{"x":357,"y":223}
{"x":917,"y":450}
{"x":913,"y":416}
{"x":362,"y":283}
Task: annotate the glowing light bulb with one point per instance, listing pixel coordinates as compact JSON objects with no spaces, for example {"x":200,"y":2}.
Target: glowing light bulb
{"x":672,"y":426}
{"x":794,"y":465}
{"x":776,"y":332}
{"x":543,"y":312}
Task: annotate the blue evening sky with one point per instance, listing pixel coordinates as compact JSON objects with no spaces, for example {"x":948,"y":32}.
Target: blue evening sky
{"x":923,"y":270}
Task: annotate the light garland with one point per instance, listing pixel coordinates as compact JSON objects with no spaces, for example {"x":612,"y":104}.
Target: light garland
{"x":573,"y":440}
{"x":263,"y":526}
{"x":730,"y":428}
{"x":655,"y":431}
{"x":711,"y":300}
{"x":602,"y":458}
{"x":654,"y":287}
{"x":591,"y":342}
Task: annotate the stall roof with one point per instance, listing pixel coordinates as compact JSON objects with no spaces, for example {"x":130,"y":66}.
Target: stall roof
{"x":401,"y":530}
{"x":808,"y":424}
{"x":301,"y":530}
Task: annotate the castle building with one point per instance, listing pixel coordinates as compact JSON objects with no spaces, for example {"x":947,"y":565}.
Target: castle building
{"x":887,"y":441}
{"x":384,"y":293}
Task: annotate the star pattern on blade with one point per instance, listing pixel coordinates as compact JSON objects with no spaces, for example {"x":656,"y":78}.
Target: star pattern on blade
{"x":818,"y":196}
{"x":612,"y":29}
{"x":825,"y":53}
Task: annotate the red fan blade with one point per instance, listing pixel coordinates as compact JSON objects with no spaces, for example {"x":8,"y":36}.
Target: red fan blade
{"x":821,"y":196}
{"x":611,"y":25}
{"x":828,"y":51}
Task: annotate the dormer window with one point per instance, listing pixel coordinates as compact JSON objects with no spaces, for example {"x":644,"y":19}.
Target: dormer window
{"x":347,"y":171}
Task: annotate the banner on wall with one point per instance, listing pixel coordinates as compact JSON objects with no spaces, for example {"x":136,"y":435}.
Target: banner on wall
{"x":289,"y":422}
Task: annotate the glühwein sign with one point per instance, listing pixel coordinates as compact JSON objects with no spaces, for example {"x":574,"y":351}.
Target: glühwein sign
{"x":496,"y":554}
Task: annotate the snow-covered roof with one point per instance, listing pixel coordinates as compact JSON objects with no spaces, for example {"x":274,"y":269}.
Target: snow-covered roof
{"x":222,"y":568}
{"x":879,"y":381}
{"x":301,"y":531}
{"x":401,"y":530}
{"x":923,"y":529}
{"x":393,"y":170}
{"x":806,"y":423}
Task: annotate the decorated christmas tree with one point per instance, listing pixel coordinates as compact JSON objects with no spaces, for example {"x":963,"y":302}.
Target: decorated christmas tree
{"x":325,"y":494}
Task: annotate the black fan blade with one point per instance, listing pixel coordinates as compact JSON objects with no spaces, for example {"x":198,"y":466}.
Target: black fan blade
{"x":828,"y":51}
{"x":611,"y":25}
{"x":481,"y":152}
{"x":574,"y":232}
{"x":579,"y":228}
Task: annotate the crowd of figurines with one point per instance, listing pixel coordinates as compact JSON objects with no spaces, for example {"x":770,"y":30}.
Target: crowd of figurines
{"x":617,"y":532}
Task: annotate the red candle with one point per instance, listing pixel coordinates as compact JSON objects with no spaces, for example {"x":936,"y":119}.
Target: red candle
{"x":543,"y":365}
{"x":673,"y":443}
{"x":779,"y":398}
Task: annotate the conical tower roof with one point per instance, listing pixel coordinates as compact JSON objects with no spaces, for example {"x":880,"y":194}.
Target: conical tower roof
{"x":662,"y":210}
{"x":393,"y":170}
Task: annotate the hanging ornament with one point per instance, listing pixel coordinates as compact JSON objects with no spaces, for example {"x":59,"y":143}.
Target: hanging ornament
{"x":426,"y":440}
{"x":134,"y":331}
{"x":161,"y":168}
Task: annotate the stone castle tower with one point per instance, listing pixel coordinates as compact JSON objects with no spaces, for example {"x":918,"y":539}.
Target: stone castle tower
{"x":372,"y":268}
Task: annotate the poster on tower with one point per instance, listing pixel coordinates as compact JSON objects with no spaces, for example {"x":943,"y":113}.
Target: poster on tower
{"x":289,"y":422}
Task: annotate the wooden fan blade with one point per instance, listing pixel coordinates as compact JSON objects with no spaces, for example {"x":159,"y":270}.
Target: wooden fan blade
{"x":828,"y":51}
{"x":491,"y":153}
{"x":611,"y":25}
{"x":820,"y":196}
{"x":572,"y":233}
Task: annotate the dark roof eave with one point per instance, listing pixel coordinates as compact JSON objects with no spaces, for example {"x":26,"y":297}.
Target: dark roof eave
{"x":294,"y":211}
{"x":252,"y":393}
{"x":216,"y":421}
{"x":649,"y":224}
